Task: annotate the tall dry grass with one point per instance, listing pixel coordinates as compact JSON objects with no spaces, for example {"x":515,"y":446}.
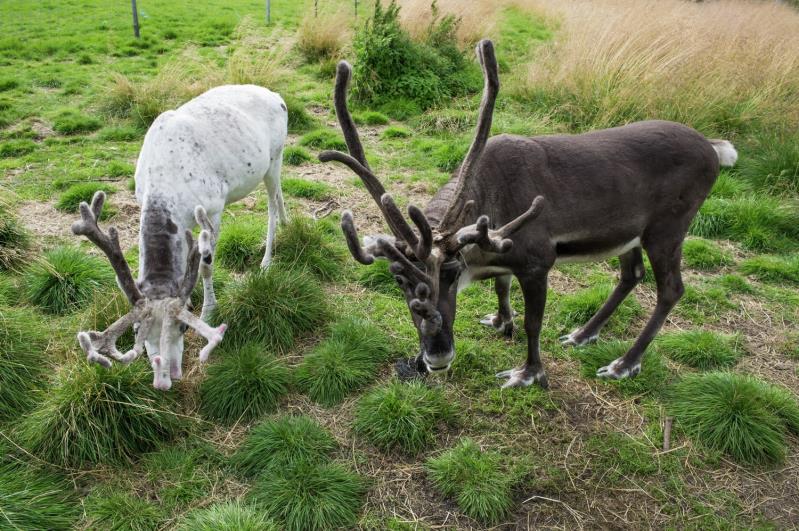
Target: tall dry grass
{"x":324,"y":36}
{"x":478,"y":19}
{"x":723,"y":67}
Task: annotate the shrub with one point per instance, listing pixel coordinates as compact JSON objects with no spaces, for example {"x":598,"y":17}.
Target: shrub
{"x":343,"y":363}
{"x":773,"y":164}
{"x":378,"y":277}
{"x":32,"y":499}
{"x":66,"y":280}
{"x":301,"y":244}
{"x":370,"y":118}
{"x":276,"y":445}
{"x":738,"y":415}
{"x":307,"y":189}
{"x":702,"y":349}
{"x":390,"y":65}
{"x":23,"y":339}
{"x":759,"y":223}
{"x":17,"y":148}
{"x":72,"y":197}
{"x":240,"y":244}
{"x":15,"y":241}
{"x":576,"y":309}
{"x":72,"y":122}
{"x":227,"y":516}
{"x":324,"y":139}
{"x":272,"y":307}
{"x":294,"y":156}
{"x":311,"y":495}
{"x":107,"y":508}
{"x":395,"y":131}
{"x":402,"y":416}
{"x":652,"y":380}
{"x":299,"y":119}
{"x":96,"y":415}
{"x":475,"y":479}
{"x":773,"y":268}
{"x":704,"y":255}
{"x":243,"y":385}
{"x":323,"y":37}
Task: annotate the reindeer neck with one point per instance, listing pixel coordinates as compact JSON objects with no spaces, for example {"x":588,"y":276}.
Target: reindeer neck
{"x":162,"y":248}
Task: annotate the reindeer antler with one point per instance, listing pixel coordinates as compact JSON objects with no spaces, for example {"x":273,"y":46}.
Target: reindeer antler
{"x":108,"y":243}
{"x":192,"y":268}
{"x":99,"y":345}
{"x":495,"y":241}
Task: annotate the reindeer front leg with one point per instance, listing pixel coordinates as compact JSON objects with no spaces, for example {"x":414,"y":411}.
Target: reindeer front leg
{"x":207,"y":246}
{"x":502,"y":321}
{"x":534,"y":288}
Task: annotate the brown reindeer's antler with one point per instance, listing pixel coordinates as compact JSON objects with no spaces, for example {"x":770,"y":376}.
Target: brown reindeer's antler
{"x":495,"y":241}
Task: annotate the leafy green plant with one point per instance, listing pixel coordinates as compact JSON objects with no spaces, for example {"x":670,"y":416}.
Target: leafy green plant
{"x":272,"y":308}
{"x":96,"y":415}
{"x":475,"y":479}
{"x":66,"y":279}
{"x":772,"y":268}
{"x":301,"y":244}
{"x":311,"y":495}
{"x":739,"y":415}
{"x":246,"y":383}
{"x":704,"y":255}
{"x":227,"y":516}
{"x":32,"y":499}
{"x":276,"y":445}
{"x":323,"y":139}
{"x":652,"y":380}
{"x":402,"y":416}
{"x":346,"y":361}
{"x":240,"y":244}
{"x":72,"y":197}
{"x":294,"y":156}
{"x":72,"y":122}
{"x":23,"y":339}
{"x":701,"y":349}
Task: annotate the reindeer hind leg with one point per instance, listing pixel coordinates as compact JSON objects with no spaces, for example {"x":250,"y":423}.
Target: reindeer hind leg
{"x":277,"y":208}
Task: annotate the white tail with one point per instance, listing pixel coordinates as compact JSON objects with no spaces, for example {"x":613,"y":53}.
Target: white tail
{"x":726,"y":152}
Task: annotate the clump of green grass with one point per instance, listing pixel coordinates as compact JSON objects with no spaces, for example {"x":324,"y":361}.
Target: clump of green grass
{"x":739,"y":415}
{"x":15,"y":241}
{"x":773,"y":268}
{"x":299,"y":119}
{"x":761,"y":223}
{"x":307,"y":189}
{"x":16,"y":148}
{"x":378,"y":277}
{"x":323,"y":139}
{"x":108,"y":508}
{"x":73,"y":196}
{"x":301,"y":244}
{"x":448,"y":157}
{"x":703,"y":303}
{"x":119,"y":134}
{"x":576,"y":309}
{"x":704,"y":255}
{"x":243,"y":385}
{"x":729,"y":185}
{"x":96,"y":415}
{"x":73,"y":122}
{"x":276,"y":445}
{"x":66,"y":280}
{"x":34,"y":499}
{"x":23,"y":339}
{"x":272,"y":308}
{"x":445,"y":121}
{"x":120,"y":169}
{"x":311,"y":495}
{"x":294,"y":156}
{"x":400,"y":108}
{"x":227,"y":516}
{"x":734,"y":284}
{"x":652,"y":380}
{"x":395,"y":131}
{"x":240,"y":244}
{"x":702,"y":349}
{"x":346,"y":361}
{"x":185,"y":472}
{"x":370,"y":118}
{"x":618,"y":456}
{"x":773,"y":166}
{"x":402,"y":416}
{"x":475,"y":479}
{"x":9,"y":290}
{"x":8,"y":83}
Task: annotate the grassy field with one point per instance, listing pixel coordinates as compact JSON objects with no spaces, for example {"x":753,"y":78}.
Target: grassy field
{"x":297,"y":422}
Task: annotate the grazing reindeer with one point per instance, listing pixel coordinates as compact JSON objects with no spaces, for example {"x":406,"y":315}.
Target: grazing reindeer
{"x":543,"y":200}
{"x":210,"y":152}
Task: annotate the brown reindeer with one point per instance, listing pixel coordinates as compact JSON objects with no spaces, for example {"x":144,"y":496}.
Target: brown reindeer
{"x":541,"y":200}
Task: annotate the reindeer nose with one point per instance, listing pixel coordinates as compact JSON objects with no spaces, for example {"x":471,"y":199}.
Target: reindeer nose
{"x":162,"y":385}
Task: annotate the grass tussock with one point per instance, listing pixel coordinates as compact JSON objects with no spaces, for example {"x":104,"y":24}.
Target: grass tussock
{"x":302,"y":244}
{"x":295,"y":156}
{"x":324,"y":36}
{"x":66,"y":280}
{"x":772,"y":268}
{"x":378,"y":277}
{"x":94,"y":415}
{"x":16,"y":148}
{"x":311,"y":495}
{"x":227,"y":516}
{"x":107,"y":508}
{"x":272,"y":308}
{"x":652,"y":380}
{"x":240,"y":245}
{"x":300,"y":120}
{"x":31,"y":499}
{"x":721,"y":67}
{"x":72,"y":197}
{"x":73,"y":122}
{"x":475,"y":479}
{"x":15,"y":241}
{"x":283,"y":443}
{"x":23,"y":340}
{"x":478,"y":21}
{"x":246,"y":383}
{"x":307,"y":189}
{"x":343,"y":363}
{"x":704,"y":255}
{"x":702,"y":349}
{"x":576,"y":309}
{"x":402,"y":416}
{"x":773,"y":164}
{"x":324,"y":139}
{"x":739,"y":415}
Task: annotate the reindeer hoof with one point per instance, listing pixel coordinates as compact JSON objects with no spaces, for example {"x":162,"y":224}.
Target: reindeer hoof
{"x":574,"y":339}
{"x":523,"y":378}
{"x":494,"y":321}
{"x":618,"y":370}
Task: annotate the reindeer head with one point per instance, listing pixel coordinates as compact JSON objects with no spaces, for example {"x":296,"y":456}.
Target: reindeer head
{"x":158,"y":323}
{"x":426,"y":262}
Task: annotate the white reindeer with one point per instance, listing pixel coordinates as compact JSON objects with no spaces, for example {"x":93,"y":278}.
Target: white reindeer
{"x":210,"y":152}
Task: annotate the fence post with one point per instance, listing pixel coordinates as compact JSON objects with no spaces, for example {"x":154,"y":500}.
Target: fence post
{"x":315,"y":8}
{"x":135,"y":18}
{"x":268,"y":12}
{"x":356,"y":8}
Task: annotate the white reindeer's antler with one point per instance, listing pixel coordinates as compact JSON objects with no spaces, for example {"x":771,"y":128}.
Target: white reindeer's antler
{"x":212,"y":335}
{"x":99,"y":345}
